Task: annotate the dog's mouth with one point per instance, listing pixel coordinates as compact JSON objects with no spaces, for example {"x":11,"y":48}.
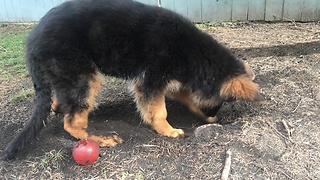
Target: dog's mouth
{"x":230,"y":99}
{"x":212,"y":111}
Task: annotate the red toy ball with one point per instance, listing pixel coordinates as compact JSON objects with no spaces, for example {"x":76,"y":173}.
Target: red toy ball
{"x":86,"y":152}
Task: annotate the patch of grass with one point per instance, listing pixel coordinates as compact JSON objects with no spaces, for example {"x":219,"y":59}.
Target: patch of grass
{"x":206,"y":25}
{"x":21,"y":95}
{"x":216,"y":25}
{"x":123,"y":175}
{"x":12,"y":45}
{"x":52,"y":159}
{"x":126,"y":175}
{"x":139,"y":176}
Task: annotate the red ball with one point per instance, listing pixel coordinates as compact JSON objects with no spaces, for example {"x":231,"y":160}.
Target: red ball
{"x":86,"y":152}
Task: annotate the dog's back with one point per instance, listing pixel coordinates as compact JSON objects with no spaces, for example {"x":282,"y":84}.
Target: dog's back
{"x":115,"y":35}
{"x":125,"y":38}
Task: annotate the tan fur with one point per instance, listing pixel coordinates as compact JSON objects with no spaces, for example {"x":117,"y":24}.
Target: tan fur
{"x":77,"y":123}
{"x":196,"y":97}
{"x":249,"y":71}
{"x":54,"y":105}
{"x":154,"y":112}
{"x":176,"y":91}
{"x":173,"y":86}
{"x":240,"y":87}
{"x":184,"y":96}
{"x":95,"y":86}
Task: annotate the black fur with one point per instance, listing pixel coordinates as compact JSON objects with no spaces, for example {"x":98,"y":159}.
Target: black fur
{"x":212,"y":111}
{"x":121,"y":38}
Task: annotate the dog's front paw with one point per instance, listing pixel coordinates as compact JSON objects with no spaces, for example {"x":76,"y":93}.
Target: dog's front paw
{"x":212,"y":119}
{"x":107,"y":141}
{"x":175,"y":133}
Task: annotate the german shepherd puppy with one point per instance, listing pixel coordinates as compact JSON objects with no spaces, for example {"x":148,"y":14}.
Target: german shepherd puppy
{"x":159,"y":51}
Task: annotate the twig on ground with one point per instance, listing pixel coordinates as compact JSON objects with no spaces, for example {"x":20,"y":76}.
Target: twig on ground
{"x":227,"y":165}
{"x":289,"y":130}
{"x":279,"y":133}
{"x":113,"y":132}
{"x":295,"y":109}
{"x":149,"y":145}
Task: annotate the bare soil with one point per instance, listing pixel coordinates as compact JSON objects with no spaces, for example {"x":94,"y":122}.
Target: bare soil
{"x":279,"y":140}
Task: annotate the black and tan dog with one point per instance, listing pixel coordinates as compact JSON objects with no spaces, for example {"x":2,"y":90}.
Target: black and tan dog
{"x":160,"y":52}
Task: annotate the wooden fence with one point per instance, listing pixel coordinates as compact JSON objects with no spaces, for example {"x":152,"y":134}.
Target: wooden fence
{"x":195,"y":10}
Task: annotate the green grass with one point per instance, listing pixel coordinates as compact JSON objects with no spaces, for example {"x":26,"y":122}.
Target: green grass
{"x":12,"y":50}
{"x":24,"y":93}
{"x":206,"y":25}
{"x":52,"y":159}
{"x":216,"y":25}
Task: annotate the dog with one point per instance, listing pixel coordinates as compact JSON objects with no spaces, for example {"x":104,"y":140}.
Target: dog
{"x":160,"y":52}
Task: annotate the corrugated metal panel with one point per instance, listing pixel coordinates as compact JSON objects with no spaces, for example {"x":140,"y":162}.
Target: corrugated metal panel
{"x":240,"y":10}
{"x":169,"y":4}
{"x":22,"y":10}
{"x":207,"y":10}
{"x":291,"y":8}
{"x":223,"y":10}
{"x":195,"y":10}
{"x":274,"y":10}
{"x":7,"y":10}
{"x":310,"y":10}
{"x":257,"y":10}
{"x":151,"y":2}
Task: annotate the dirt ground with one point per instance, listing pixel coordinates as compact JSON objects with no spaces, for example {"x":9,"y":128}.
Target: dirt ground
{"x":280,"y":140}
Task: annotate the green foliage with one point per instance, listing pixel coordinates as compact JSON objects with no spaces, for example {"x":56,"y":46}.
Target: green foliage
{"x":21,"y":95}
{"x":51,"y":158}
{"x":12,"y":45}
{"x":216,"y":25}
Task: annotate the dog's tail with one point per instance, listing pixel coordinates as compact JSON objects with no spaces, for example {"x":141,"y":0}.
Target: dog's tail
{"x":38,"y":117}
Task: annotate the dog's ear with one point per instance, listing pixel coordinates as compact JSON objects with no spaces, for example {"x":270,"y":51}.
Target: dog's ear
{"x":249,"y":72}
{"x":241,"y":88}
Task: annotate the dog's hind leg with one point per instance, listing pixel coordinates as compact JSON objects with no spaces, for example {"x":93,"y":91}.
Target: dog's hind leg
{"x":183,"y":96}
{"x":76,"y":114}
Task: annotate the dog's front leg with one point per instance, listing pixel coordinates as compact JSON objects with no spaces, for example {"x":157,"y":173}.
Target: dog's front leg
{"x":183,"y":96}
{"x":76,"y":125}
{"x":153,"y":111}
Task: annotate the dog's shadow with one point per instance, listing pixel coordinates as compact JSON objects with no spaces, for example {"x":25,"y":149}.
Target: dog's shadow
{"x":122,"y":116}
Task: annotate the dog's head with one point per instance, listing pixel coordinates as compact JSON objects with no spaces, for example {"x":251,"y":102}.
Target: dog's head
{"x":241,"y":87}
